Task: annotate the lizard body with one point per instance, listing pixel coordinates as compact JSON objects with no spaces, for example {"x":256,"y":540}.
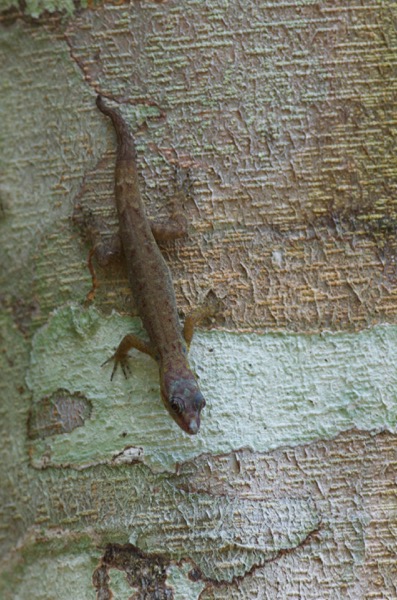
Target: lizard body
{"x":151,"y":284}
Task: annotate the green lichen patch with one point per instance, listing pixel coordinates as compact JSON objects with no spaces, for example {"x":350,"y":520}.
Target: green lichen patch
{"x":46,"y":144}
{"x":57,"y":567}
{"x":37,"y":8}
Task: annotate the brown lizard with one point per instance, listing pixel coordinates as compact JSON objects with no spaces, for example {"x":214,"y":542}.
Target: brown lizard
{"x":152,"y":289}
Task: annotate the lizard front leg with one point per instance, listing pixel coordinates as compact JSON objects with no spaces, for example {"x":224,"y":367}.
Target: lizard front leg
{"x":120,"y":357}
{"x":194,"y":318}
{"x":197,"y":316}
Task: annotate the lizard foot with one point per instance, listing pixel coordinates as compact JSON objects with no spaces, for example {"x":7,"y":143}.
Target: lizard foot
{"x":118,"y":360}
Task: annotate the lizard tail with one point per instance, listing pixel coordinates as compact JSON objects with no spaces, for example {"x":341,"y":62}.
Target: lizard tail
{"x":125,"y":145}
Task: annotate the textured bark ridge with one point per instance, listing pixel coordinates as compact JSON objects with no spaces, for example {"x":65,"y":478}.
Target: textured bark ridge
{"x":286,"y":121}
{"x":283,"y":116}
{"x":219,"y":527}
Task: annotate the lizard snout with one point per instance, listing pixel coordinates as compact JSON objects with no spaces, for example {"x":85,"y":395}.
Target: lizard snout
{"x":193,"y":426}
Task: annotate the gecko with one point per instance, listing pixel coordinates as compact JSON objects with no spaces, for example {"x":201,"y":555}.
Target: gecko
{"x":152,"y":289}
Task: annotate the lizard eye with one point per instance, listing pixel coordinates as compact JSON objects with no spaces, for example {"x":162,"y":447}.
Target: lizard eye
{"x":176,"y":406}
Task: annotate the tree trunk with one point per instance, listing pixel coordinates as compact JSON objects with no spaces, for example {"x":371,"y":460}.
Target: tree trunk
{"x":282,"y":118}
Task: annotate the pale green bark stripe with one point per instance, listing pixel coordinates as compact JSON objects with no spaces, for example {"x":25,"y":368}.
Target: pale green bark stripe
{"x":263,"y":391}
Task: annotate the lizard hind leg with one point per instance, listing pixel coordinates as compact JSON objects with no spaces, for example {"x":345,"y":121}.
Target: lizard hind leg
{"x":120,"y":357}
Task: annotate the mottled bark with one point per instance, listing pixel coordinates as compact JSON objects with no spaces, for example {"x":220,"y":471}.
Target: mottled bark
{"x":282,"y":116}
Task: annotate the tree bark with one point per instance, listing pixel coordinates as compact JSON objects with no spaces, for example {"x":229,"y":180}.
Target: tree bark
{"x":282,"y":117}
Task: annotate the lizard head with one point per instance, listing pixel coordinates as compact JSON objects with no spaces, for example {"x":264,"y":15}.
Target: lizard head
{"x":183,"y":400}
